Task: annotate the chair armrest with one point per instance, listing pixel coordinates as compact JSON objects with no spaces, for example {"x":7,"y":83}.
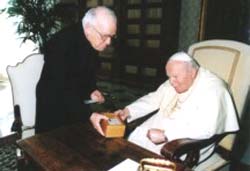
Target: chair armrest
{"x":17,"y":123}
{"x":173,"y":150}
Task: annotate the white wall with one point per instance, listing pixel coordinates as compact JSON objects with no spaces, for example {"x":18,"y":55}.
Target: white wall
{"x":11,"y":48}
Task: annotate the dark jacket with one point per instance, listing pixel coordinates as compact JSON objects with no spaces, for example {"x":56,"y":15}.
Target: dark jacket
{"x":67,"y":79}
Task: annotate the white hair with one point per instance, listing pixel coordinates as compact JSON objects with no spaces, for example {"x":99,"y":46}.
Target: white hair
{"x":90,"y":15}
{"x":182,"y":56}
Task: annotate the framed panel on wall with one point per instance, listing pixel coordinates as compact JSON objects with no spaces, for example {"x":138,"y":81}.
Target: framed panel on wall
{"x":149,"y":34}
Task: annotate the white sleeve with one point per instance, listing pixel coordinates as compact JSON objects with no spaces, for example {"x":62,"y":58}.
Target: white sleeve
{"x":146,"y":104}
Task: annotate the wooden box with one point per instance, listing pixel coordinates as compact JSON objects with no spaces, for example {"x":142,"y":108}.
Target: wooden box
{"x":114,"y":127}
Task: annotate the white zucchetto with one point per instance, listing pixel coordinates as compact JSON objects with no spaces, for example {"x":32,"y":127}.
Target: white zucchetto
{"x":181,"y":56}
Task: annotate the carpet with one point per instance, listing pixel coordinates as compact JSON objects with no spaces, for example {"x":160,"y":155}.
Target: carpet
{"x":8,"y":158}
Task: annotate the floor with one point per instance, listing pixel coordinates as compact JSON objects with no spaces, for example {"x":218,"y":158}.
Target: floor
{"x":117,"y":96}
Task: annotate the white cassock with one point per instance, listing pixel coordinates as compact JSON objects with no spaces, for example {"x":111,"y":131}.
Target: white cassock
{"x":204,"y":110}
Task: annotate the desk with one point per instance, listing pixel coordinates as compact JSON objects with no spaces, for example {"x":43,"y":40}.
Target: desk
{"x":80,"y":148}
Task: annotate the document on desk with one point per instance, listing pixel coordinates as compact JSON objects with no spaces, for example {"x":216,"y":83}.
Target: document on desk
{"x":125,"y":165}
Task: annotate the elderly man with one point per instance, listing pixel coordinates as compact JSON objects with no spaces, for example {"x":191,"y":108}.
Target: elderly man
{"x":193,"y":103}
{"x":68,"y":76}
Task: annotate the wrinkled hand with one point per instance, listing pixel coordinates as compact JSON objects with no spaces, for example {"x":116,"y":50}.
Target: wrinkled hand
{"x":123,"y":114}
{"x":156,"y":135}
{"x":97,"y":96}
{"x":95,"y":119}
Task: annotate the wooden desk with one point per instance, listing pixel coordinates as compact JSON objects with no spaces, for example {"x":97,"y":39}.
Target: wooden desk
{"x":80,"y":148}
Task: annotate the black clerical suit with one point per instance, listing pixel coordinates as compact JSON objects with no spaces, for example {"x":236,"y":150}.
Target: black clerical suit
{"x":67,"y":79}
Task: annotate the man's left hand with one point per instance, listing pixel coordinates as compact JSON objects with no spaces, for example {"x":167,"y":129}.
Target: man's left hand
{"x":156,"y":135}
{"x":96,"y":119}
{"x":97,"y":96}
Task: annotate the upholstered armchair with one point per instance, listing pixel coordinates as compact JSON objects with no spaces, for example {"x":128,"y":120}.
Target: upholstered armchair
{"x":231,"y":61}
{"x":23,"y":78}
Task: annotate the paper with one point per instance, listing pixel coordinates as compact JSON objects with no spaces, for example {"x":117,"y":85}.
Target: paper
{"x":114,"y":121}
{"x":89,"y":101}
{"x":126,"y":165}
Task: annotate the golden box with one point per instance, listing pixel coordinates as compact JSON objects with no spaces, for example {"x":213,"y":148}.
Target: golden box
{"x":113,"y":127}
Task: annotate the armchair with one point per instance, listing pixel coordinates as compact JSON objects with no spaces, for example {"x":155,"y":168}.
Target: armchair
{"x":230,"y":60}
{"x":23,"y":78}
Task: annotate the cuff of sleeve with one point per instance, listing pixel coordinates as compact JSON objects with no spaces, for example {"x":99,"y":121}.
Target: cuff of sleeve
{"x":129,"y":118}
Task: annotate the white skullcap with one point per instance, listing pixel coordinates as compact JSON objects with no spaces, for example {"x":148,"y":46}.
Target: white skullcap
{"x":181,"y":56}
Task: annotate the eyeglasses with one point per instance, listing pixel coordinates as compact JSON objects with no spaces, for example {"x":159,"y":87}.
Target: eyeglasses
{"x":104,"y":36}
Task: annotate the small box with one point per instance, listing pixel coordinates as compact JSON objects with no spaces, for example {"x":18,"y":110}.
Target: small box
{"x":113,"y":127}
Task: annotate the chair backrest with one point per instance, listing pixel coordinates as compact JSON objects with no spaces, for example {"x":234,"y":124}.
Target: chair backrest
{"x":23,"y":78}
{"x":230,"y":60}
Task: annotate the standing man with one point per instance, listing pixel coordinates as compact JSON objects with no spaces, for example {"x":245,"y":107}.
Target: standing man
{"x":68,"y":76}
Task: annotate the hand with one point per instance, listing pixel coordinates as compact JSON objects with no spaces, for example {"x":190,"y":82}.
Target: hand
{"x":97,"y":96}
{"x":156,"y":135}
{"x":95,"y":119}
{"x":123,"y":114}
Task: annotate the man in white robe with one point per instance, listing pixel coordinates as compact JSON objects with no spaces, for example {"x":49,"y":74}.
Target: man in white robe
{"x":193,"y":103}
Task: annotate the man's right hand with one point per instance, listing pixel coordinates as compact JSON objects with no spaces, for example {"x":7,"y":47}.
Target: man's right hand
{"x":95,"y":119}
{"x":123,"y":114}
